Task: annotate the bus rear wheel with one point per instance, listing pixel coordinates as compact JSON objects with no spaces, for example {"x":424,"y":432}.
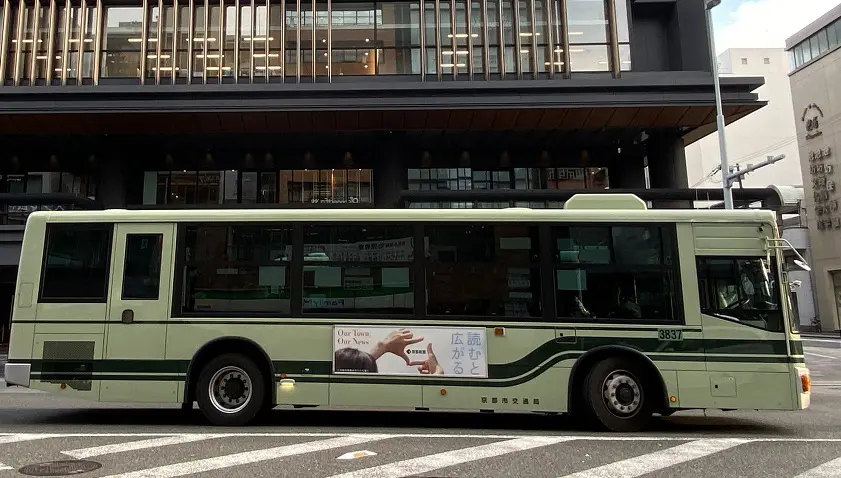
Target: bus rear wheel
{"x":619,"y":396}
{"x":230,"y":390}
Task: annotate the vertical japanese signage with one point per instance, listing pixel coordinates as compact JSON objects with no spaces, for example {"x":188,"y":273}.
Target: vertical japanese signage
{"x":821,"y":172}
{"x":420,"y":351}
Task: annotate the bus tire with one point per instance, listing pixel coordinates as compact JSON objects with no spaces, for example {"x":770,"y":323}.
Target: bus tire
{"x":619,"y":395}
{"x":231,"y":390}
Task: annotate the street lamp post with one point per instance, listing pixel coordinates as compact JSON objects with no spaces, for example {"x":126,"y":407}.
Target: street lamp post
{"x":722,"y":145}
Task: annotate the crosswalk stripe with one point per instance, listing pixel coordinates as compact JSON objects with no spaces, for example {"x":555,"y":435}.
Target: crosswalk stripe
{"x":830,"y":468}
{"x":658,"y":460}
{"x":425,"y":464}
{"x":248,"y":457}
{"x":5,"y":467}
{"x":26,"y":437}
{"x":135,"y":445}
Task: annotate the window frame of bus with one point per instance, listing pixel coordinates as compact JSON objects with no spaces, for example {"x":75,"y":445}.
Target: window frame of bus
{"x":667,"y":245}
{"x":180,"y":264}
{"x":107,"y":227}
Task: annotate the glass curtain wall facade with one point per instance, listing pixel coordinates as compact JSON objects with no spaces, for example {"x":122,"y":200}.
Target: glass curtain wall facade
{"x":299,"y":186}
{"x":467,"y":179}
{"x":59,"y":42}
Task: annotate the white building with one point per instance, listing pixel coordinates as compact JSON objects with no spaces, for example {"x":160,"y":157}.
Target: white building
{"x":770,"y":131}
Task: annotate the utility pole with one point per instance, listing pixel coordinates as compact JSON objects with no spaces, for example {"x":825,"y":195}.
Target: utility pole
{"x":722,"y":145}
{"x":740,"y":173}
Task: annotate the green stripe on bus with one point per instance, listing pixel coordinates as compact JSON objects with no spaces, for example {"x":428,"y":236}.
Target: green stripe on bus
{"x":711,"y":348}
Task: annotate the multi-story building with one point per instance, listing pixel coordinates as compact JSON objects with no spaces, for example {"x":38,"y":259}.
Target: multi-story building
{"x":815,"y":64}
{"x":768,"y":132}
{"x":234,"y":103}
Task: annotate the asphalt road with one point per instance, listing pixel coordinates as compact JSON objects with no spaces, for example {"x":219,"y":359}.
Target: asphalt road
{"x":159,"y":442}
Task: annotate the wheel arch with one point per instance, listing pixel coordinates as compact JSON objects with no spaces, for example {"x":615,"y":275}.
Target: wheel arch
{"x":229,"y":344}
{"x":588,"y":360}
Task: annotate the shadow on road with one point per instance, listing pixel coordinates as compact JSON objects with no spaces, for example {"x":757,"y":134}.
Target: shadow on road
{"x":314,"y":420}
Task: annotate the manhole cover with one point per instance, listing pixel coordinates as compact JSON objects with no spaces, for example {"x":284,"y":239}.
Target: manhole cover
{"x":60,"y":468}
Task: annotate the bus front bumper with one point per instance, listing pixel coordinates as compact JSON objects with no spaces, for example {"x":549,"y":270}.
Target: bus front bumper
{"x":17,"y":374}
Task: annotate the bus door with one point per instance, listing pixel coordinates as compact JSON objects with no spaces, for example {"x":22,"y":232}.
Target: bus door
{"x":138,"y":309}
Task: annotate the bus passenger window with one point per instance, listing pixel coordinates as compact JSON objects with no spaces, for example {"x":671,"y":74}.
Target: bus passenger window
{"x":477,"y":270}
{"x":142,"y":270}
{"x":237,"y":269}
{"x":365,"y":269}
{"x":616,"y":273}
{"x":76,"y":263}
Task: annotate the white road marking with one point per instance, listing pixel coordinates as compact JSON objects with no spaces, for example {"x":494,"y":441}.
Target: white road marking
{"x":5,"y":467}
{"x":353,"y":455}
{"x":135,"y":445}
{"x":425,"y":464}
{"x":829,"y":469}
{"x":643,"y":464}
{"x":822,"y":356}
{"x":248,"y":457}
{"x":26,"y":437}
{"x":384,"y":436}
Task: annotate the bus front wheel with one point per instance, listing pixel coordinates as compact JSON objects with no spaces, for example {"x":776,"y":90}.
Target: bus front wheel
{"x":230,"y":390}
{"x":619,"y":396}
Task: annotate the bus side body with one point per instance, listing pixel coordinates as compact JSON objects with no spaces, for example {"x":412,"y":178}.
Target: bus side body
{"x":119,"y":337}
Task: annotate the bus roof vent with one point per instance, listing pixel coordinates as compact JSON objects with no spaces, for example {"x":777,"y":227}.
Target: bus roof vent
{"x":605,"y":201}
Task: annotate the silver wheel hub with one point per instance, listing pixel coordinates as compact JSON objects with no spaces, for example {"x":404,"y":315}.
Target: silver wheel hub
{"x":230,"y":389}
{"x":622,"y":394}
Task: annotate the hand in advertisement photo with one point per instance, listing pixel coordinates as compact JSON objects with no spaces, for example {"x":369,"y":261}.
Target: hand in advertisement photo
{"x":396,"y":343}
{"x":430,"y":366}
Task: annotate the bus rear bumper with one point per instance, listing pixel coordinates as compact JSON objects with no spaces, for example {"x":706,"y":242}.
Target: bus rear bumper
{"x":17,"y":374}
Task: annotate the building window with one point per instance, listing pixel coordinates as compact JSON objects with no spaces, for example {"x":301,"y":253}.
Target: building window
{"x":327,"y":186}
{"x":368,"y":38}
{"x":490,"y":271}
{"x":766,"y":60}
{"x":196,"y":187}
{"x":588,"y":35}
{"x":237,"y":269}
{"x":744,"y":290}
{"x":42,"y":182}
{"x":358,"y":269}
{"x":121,"y":42}
{"x":76,"y":264}
{"x":619,"y":273}
{"x":466,"y":179}
{"x":744,"y":61}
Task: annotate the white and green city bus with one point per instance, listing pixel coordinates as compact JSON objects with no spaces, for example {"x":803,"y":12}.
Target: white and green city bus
{"x":603,"y":309}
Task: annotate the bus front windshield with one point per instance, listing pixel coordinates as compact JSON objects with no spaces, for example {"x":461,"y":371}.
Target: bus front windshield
{"x":746,"y":290}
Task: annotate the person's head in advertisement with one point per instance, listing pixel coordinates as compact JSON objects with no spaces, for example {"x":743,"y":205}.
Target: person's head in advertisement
{"x":350,"y":359}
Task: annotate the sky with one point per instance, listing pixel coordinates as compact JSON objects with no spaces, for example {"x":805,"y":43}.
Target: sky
{"x":763,"y":23}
